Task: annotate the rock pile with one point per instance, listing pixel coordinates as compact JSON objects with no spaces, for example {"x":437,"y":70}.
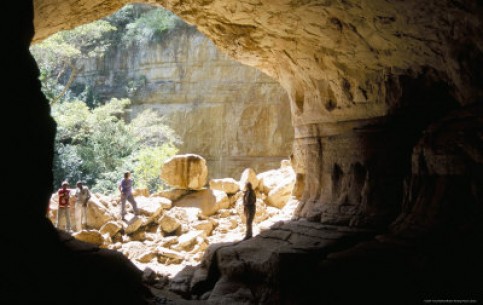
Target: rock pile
{"x":177,"y":225}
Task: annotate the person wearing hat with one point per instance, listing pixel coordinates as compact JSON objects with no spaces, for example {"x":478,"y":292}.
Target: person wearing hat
{"x":64,"y":206}
{"x":82,"y":195}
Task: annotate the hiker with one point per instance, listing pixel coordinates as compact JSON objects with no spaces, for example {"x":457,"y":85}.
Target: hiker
{"x":249,"y":208}
{"x":64,"y":206}
{"x":82,"y":195}
{"x":125,"y":187}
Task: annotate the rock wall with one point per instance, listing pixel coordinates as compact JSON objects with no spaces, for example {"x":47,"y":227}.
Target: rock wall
{"x":233,"y":115}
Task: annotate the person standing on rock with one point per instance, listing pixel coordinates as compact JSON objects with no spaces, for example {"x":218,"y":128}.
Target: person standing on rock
{"x":64,"y":206}
{"x":125,"y":187}
{"x":82,"y":195}
{"x":249,"y":208}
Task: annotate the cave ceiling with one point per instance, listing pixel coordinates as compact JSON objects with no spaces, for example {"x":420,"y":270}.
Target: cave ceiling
{"x":333,"y":57}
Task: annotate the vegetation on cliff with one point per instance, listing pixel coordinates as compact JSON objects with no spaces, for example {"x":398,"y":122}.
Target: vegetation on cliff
{"x":94,"y":141}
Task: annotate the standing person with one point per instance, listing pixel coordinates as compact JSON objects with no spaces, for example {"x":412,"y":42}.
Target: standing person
{"x":82,"y":195}
{"x":125,"y":187}
{"x":64,"y":205}
{"x":249,"y":208}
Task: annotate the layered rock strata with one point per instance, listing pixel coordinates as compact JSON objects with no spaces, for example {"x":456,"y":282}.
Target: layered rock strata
{"x":232,"y":114}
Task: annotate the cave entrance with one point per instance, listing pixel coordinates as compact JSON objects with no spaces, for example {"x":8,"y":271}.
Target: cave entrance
{"x":135,"y":88}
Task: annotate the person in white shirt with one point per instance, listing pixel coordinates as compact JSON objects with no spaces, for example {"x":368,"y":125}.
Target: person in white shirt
{"x":82,"y":195}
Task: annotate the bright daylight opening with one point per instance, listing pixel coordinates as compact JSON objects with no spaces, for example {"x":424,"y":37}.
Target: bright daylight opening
{"x":141,"y":91}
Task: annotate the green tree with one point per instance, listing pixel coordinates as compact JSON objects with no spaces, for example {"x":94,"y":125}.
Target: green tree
{"x":98,"y":145}
{"x":150,"y":26}
{"x":61,"y":53}
{"x":148,"y":163}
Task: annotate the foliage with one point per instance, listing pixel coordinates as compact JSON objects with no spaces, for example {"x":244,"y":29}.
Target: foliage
{"x":97,"y":145}
{"x":150,"y":26}
{"x":83,"y":41}
{"x":60,"y":54}
{"x":148,"y":165}
{"x":94,"y":143}
{"x":135,"y":84}
{"x":151,"y":129}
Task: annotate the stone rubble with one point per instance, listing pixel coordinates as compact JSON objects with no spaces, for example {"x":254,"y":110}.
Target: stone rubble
{"x":176,"y":226}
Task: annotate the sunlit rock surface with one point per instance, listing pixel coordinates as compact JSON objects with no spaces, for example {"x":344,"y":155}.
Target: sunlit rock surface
{"x":188,"y":172}
{"x":167,"y":238}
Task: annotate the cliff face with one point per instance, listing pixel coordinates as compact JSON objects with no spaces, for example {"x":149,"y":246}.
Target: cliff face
{"x":233,"y":115}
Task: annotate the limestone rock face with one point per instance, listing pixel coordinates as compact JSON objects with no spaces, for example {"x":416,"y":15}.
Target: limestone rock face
{"x":232,"y":114}
{"x":185,"y":172}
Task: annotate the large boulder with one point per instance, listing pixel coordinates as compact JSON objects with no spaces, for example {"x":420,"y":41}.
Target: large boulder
{"x":271,"y":179}
{"x":208,"y":201}
{"x":228,"y":185}
{"x":90,"y":236}
{"x":97,"y":213}
{"x":111,"y":228}
{"x":172,"y":194}
{"x":277,"y":184}
{"x":151,"y":207}
{"x":248,"y":175}
{"x":169,"y":224}
{"x":185,"y":172}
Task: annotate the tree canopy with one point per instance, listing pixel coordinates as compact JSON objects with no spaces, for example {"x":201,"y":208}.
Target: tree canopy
{"x":94,"y":141}
{"x":97,"y":145}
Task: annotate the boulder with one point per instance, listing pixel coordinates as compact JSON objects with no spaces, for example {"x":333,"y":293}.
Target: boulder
{"x":151,"y":207}
{"x":111,"y":228}
{"x":97,"y":213}
{"x":271,"y":179}
{"x":90,"y":236}
{"x":229,"y":185}
{"x":169,"y":224}
{"x":173,"y":194}
{"x":185,"y":172}
{"x":133,"y":225}
{"x":248,"y":175}
{"x":208,"y":201}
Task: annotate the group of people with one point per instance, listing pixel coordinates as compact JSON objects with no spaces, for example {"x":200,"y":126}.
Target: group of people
{"x":83,"y":194}
{"x":125,"y":186}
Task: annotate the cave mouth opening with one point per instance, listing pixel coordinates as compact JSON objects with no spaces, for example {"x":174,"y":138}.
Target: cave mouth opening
{"x":431,"y":190}
{"x":93,"y":118}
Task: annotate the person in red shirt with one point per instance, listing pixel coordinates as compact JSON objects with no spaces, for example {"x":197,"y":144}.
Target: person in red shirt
{"x":64,"y":205}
